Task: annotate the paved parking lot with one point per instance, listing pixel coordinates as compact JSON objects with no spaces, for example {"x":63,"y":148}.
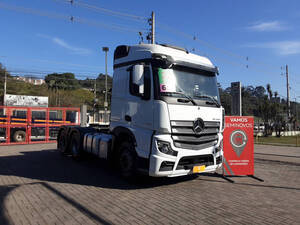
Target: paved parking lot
{"x":39,"y":186}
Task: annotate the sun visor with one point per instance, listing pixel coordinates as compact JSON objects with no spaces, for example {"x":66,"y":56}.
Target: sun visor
{"x":196,"y":66}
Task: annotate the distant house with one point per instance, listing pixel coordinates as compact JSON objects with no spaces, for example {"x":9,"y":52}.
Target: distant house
{"x":31,"y":80}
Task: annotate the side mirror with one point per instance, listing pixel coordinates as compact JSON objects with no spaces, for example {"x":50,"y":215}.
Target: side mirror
{"x":140,"y":81}
{"x":137,"y":74}
{"x":137,"y":80}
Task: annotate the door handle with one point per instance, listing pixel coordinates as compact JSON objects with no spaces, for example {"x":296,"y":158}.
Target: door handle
{"x":128,"y":118}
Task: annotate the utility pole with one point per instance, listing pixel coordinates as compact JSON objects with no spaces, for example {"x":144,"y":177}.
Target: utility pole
{"x":95,"y":99}
{"x":151,"y":35}
{"x":152,"y":28}
{"x":287,"y":91}
{"x":296,"y":108}
{"x":4,"y":92}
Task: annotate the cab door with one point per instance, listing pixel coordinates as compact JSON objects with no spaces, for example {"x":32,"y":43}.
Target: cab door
{"x":139,"y":111}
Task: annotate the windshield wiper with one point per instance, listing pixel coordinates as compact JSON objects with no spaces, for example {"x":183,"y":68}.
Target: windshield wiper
{"x":185,"y":95}
{"x":209,"y":97}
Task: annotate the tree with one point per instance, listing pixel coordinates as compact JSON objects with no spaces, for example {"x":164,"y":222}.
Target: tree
{"x":270,"y":113}
{"x":248,"y":100}
{"x":65,"y":81}
{"x":57,"y":82}
{"x":87,"y":83}
{"x":101,"y":89}
{"x":2,"y":78}
{"x":269,"y":91}
{"x":225,"y":98}
{"x":259,"y":92}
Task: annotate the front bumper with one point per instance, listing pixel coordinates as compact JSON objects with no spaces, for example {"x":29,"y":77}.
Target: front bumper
{"x":163,"y":165}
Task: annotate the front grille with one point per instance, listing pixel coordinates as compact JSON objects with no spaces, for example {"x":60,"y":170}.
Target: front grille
{"x":189,"y":161}
{"x":184,"y":136}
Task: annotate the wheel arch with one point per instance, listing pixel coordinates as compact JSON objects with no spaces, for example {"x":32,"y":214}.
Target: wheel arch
{"x":124,"y":134}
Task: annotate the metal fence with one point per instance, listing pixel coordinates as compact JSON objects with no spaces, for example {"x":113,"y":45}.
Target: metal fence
{"x":28,"y":125}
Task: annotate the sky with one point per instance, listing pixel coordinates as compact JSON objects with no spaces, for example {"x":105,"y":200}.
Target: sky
{"x":249,"y":41}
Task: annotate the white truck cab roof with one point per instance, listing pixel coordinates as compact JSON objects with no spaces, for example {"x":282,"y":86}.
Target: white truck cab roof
{"x":124,"y":54}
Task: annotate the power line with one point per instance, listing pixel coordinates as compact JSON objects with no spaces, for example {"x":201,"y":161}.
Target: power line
{"x":27,"y":72}
{"x":105,"y":25}
{"x":51,"y":70}
{"x":209,"y":45}
{"x":295,"y":91}
{"x":36,"y":73}
{"x":245,"y":65}
{"x":295,"y":80}
{"x":33,"y":11}
{"x":72,"y":19}
{"x":14,"y":79}
{"x":104,"y":10}
{"x":120,"y":28}
{"x":91,"y":69}
{"x":68,"y":64}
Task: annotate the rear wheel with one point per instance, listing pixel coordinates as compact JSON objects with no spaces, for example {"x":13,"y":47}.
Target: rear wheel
{"x":75,"y":146}
{"x":19,"y":136}
{"x":127,"y":160}
{"x":62,"y":142}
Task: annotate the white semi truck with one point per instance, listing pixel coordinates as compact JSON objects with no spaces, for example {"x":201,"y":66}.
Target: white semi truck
{"x":166,"y":118}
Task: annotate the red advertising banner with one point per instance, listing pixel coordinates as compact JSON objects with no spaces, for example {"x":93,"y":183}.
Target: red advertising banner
{"x":238,"y":146}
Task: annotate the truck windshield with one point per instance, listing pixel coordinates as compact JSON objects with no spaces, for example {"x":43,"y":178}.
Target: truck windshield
{"x":197,"y":84}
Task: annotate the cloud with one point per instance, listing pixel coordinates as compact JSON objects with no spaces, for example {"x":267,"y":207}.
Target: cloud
{"x":64,"y":44}
{"x":279,"y":47}
{"x":76,"y":50}
{"x":268,"y":26}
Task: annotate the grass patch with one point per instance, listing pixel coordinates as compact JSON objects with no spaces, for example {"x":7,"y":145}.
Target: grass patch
{"x":285,"y":141}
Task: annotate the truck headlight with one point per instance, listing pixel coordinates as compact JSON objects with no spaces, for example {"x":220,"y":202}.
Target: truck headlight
{"x":165,"y":147}
{"x":217,"y":149}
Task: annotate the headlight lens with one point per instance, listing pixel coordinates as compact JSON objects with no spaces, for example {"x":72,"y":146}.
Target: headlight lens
{"x":217,"y":149}
{"x":165,"y":147}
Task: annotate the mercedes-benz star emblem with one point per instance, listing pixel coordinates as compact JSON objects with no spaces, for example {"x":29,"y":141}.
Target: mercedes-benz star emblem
{"x":198,"y":126}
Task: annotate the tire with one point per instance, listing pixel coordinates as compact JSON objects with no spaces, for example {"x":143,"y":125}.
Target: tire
{"x":62,"y":142}
{"x":75,"y":146}
{"x":127,"y":160}
{"x":19,"y":136}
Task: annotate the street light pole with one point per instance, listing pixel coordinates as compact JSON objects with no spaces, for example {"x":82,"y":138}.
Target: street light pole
{"x":105,"y":49}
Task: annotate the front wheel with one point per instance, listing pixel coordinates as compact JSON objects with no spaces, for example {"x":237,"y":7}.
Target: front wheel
{"x":127,"y":160}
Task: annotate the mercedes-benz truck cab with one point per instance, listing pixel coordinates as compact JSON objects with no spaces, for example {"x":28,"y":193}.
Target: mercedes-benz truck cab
{"x":166,"y":99}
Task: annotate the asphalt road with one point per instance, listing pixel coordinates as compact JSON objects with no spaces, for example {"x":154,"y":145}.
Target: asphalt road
{"x":39,"y":186}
